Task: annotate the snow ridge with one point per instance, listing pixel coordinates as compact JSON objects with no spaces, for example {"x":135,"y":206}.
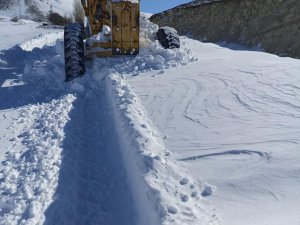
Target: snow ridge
{"x":171,"y":191}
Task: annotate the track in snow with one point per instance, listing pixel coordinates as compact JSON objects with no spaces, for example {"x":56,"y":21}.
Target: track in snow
{"x":92,"y":182}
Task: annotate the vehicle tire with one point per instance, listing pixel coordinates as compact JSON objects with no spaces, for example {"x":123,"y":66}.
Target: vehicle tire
{"x":168,"y":37}
{"x":74,"y":51}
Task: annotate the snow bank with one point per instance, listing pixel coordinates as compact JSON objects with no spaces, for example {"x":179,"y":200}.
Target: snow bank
{"x":42,"y":40}
{"x":161,"y":185}
{"x":13,"y":33}
{"x":29,"y":173}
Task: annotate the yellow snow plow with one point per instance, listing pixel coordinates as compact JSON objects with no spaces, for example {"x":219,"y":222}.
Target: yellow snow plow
{"x":111,"y":28}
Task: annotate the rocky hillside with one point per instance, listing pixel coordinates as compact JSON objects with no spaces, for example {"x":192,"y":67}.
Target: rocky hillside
{"x":34,"y":9}
{"x":273,"y":25}
{"x":6,"y":4}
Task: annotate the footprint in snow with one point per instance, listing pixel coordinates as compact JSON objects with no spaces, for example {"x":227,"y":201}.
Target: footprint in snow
{"x":172,"y":210}
{"x":208,"y":190}
{"x":184,"y":198}
{"x":144,"y":126}
{"x":184,"y":181}
{"x":194,"y":194}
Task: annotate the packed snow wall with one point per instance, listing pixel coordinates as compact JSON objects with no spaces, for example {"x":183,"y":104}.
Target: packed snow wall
{"x":272,"y":25}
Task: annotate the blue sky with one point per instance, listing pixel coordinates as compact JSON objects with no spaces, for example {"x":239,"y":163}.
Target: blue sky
{"x":154,"y":6}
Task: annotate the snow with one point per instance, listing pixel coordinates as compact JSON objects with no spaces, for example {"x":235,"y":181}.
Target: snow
{"x":103,"y":36}
{"x":92,"y":187}
{"x":57,"y":167}
{"x":232,"y":118}
{"x":152,"y":58}
{"x":201,"y":134}
{"x":63,"y":7}
{"x":170,"y":191}
{"x":22,"y":31}
{"x":29,"y":171}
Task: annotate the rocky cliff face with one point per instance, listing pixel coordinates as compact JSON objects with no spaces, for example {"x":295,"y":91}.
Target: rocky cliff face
{"x":274,"y":25}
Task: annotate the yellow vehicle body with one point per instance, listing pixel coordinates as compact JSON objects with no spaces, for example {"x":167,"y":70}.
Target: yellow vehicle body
{"x":122,"y":17}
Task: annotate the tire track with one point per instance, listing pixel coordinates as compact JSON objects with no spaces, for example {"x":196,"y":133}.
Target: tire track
{"x":92,"y":187}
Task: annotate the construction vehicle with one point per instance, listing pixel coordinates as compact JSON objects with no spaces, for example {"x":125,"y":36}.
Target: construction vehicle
{"x":111,"y":28}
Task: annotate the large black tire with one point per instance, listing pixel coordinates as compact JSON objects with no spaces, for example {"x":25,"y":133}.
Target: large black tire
{"x":74,"y":51}
{"x":168,"y":37}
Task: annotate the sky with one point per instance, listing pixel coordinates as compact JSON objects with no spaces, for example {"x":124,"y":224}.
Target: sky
{"x":154,"y":6}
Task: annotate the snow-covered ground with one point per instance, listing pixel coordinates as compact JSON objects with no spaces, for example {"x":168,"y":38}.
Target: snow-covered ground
{"x":23,"y":31}
{"x":201,"y":135}
{"x":233,"y":118}
{"x":63,"y":7}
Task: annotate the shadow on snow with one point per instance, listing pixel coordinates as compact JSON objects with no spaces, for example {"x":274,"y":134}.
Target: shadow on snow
{"x":92,"y":187}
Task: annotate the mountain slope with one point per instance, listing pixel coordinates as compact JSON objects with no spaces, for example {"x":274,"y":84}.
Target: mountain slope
{"x":35,"y":8}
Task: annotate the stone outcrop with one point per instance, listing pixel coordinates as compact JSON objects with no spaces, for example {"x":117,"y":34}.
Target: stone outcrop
{"x":273,"y":25}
